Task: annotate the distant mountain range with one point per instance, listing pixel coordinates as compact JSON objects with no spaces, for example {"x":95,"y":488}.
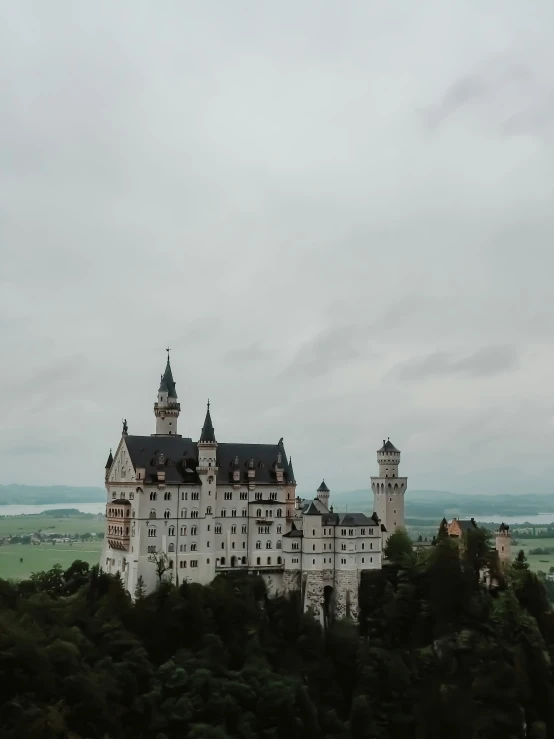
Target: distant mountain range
{"x":40,"y":495}
{"x":432,"y":504}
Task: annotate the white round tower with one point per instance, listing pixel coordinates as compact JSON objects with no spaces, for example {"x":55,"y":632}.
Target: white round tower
{"x":388,"y":488}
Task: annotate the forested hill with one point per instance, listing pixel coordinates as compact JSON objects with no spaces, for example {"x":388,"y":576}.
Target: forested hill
{"x":39,"y":494}
{"x":436,"y":655}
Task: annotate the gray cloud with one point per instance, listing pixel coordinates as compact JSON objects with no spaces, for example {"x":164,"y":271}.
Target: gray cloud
{"x":484,"y":362}
{"x":252,"y":185}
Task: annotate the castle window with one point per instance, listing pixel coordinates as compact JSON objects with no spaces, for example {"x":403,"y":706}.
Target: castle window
{"x":343,"y":532}
{"x":363,"y":545}
{"x":313,"y":532}
{"x":244,"y":529}
{"x":131,"y":495}
{"x":152,"y":550}
{"x":371,"y":559}
{"x":151,"y":532}
{"x":258,"y":545}
{"x":258,"y":560}
{"x":313,"y":547}
{"x":268,"y":545}
{"x":182,"y":564}
{"x":343,"y":561}
{"x":243,"y":560}
{"x":343,"y":547}
{"x":350,"y":532}
{"x":259,"y":512}
{"x":279,"y":513}
{"x":167,"y":495}
{"x":363,"y":560}
{"x":273,"y":496}
{"x":193,"y":547}
{"x":370,"y":532}
{"x":183,"y":512}
{"x":223,"y":513}
{"x":257,"y":496}
{"x":234,"y":512}
{"x":223,"y":545}
{"x":207,"y":545}
{"x":295,"y":545}
{"x":228,"y":496}
{"x":208,"y":561}
{"x":194,"y":563}
{"x":193,"y":530}
{"x":218,"y":529}
{"x":171,"y":548}
{"x":244,"y":496}
{"x":244,"y":513}
{"x":233,"y":529}
{"x":182,"y":547}
{"x":171,"y":531}
{"x":209,"y":511}
{"x":313,"y":561}
{"x":153,"y":495}
{"x":194,"y":513}
{"x":152,"y":513}
{"x":167,"y":513}
{"x":183,"y":530}
{"x":371,"y":545}
{"x":362,"y":532}
{"x":394,"y":511}
{"x":269,"y":560}
{"x":184,"y":496}
{"x":279,"y":529}
{"x":195,"y":496}
{"x":232,"y":545}
{"x":244,"y":545}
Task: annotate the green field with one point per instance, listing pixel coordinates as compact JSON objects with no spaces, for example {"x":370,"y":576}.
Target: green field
{"x":30,"y":524}
{"x":536,"y":561}
{"x":43,"y":557}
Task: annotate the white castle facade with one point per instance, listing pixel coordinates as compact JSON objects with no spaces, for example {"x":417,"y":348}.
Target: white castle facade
{"x":214,"y":507}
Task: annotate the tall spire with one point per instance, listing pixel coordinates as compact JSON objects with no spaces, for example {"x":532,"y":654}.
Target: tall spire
{"x":167,"y":384}
{"x":110,"y":460}
{"x":208,"y":433}
{"x":290,"y":473}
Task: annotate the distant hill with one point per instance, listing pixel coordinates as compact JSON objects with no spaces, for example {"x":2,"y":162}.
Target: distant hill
{"x":41,"y":494}
{"x":438,"y":503}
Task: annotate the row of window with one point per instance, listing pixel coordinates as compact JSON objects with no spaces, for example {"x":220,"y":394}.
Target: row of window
{"x":117,"y":530}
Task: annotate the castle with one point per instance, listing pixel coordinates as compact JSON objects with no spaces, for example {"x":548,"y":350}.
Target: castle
{"x":212,"y":507}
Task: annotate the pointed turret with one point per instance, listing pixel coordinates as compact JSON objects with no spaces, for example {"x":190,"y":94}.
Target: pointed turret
{"x":290,"y":473}
{"x":167,"y":408}
{"x":208,"y":433}
{"x":109,"y":464}
{"x":323,"y":493}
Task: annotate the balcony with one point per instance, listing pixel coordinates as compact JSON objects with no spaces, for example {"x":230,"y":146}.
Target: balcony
{"x":118,"y":524}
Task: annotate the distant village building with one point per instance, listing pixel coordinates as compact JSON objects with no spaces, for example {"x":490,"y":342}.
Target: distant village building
{"x":457,"y":529}
{"x":217,"y":507}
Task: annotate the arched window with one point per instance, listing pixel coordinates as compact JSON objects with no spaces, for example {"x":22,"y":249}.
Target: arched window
{"x":193,"y":547}
{"x":184,"y":496}
{"x":152,"y":513}
{"x":258,"y":560}
{"x":151,"y":532}
{"x":223,"y":512}
{"x":167,"y":495}
{"x":167,"y":513}
{"x":259,"y":512}
{"x":131,"y":495}
{"x":222,"y":561}
{"x":183,"y":530}
{"x":170,"y":564}
{"x":218,"y":529}
{"x":258,"y":545}
{"x":193,"y":531}
{"x":244,"y":560}
{"x":223,"y":545}
{"x":171,"y":531}
{"x":183,"y":512}
{"x":153,"y":495}
{"x":209,"y":510}
{"x":279,"y":544}
{"x":268,"y":545}
{"x":269,"y":560}
{"x":279,"y":561}
{"x":171,"y":548}
{"x":279,"y":513}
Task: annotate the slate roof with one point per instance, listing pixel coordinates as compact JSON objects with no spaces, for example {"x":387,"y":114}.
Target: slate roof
{"x":467,"y":525}
{"x":348,"y":519}
{"x":290,"y":471}
{"x":208,"y":433}
{"x":180,"y":457}
{"x":167,"y":384}
{"x":319,"y":506}
{"x":388,"y":446}
{"x":323,"y":488}
{"x":110,"y":460}
{"x":294,"y":532}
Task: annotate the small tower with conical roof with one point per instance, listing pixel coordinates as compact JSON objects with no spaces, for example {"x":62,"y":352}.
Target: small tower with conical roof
{"x":207,"y":445}
{"x":388,"y":488}
{"x":109,"y":464}
{"x":167,"y":409}
{"x":323,"y":494}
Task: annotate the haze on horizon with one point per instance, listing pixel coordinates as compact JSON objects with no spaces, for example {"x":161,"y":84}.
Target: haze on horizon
{"x":337,"y":214}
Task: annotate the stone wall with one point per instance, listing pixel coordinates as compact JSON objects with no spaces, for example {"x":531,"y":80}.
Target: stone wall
{"x":313,"y":584}
{"x":346,"y":594}
{"x":291,"y":580}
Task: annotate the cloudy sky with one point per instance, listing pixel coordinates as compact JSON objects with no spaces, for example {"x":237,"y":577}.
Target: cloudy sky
{"x":338,"y":215}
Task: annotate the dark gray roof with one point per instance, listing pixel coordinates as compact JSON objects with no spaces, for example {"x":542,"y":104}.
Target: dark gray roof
{"x":467,"y":525}
{"x":181,"y":459}
{"x":208,"y":433}
{"x":167,"y":385}
{"x":290,"y":471}
{"x":316,"y":503}
{"x":348,"y":519}
{"x":312,"y":510}
{"x":294,"y":532}
{"x":110,"y":460}
{"x":388,"y":446}
{"x":323,"y":488}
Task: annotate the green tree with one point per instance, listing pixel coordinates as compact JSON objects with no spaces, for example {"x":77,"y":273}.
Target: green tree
{"x":140,"y":588}
{"x":398,"y":547}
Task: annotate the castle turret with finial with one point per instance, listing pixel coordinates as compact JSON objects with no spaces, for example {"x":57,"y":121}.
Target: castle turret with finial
{"x":323,"y":494}
{"x":167,"y":409}
{"x":388,"y":488}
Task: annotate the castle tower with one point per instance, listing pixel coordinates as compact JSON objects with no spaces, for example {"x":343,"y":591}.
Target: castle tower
{"x":167,"y":409}
{"x":207,"y":446}
{"x":388,"y":488}
{"x":504,"y":543}
{"x":323,"y":494}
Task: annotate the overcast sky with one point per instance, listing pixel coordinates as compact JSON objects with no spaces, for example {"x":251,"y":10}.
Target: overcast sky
{"x":339,"y":215}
